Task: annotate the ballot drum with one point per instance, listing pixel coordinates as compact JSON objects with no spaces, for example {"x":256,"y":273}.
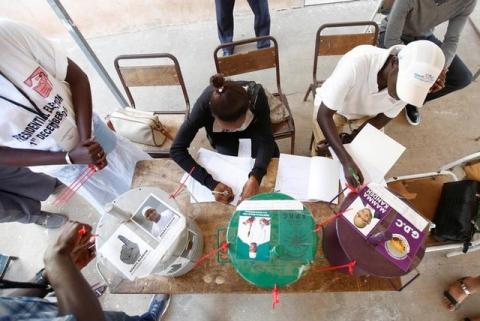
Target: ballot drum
{"x":271,"y":247}
{"x":180,"y":251}
{"x":342,"y":245}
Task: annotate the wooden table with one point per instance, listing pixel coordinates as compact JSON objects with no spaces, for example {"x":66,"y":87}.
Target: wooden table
{"x":212,"y":277}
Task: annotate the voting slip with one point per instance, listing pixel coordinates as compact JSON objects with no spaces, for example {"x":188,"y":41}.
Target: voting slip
{"x":229,"y":170}
{"x":374,"y":152}
{"x":308,"y":178}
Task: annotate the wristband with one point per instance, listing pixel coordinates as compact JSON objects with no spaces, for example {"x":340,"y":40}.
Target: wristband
{"x":67,"y":159}
{"x":39,"y":279}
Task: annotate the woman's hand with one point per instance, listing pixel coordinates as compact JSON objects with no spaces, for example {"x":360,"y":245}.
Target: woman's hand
{"x":223,"y":193}
{"x":250,"y":188}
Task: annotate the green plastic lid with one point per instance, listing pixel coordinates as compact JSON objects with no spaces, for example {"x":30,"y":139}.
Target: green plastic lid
{"x":269,"y":247}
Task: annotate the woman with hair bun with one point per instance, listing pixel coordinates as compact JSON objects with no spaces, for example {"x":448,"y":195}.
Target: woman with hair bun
{"x":229,"y":111}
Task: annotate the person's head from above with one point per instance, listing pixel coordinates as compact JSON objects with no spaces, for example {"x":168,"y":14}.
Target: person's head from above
{"x":362,"y":218}
{"x":413,"y":71}
{"x":151,"y":214}
{"x":252,"y":250}
{"x":229,"y":103}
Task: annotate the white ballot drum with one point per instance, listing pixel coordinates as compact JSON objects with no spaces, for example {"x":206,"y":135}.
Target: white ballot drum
{"x":144,"y":233}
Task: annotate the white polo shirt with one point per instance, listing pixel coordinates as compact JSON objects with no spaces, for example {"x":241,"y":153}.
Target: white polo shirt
{"x":352,"y":89}
{"x":38,"y":68}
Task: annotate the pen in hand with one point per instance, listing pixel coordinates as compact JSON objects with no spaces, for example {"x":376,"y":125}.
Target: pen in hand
{"x":224,"y":193}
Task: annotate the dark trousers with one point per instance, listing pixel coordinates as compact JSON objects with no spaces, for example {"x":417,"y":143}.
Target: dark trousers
{"x":458,"y":75}
{"x":224,"y":12}
{"x":21,"y":191}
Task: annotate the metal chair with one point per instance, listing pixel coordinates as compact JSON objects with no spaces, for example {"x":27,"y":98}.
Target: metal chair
{"x":423,"y":192}
{"x":334,"y":45}
{"x":256,"y":60}
{"x":154,"y":75}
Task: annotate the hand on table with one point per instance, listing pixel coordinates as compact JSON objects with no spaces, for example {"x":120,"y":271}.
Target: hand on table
{"x":250,"y":188}
{"x":440,"y":82}
{"x":89,"y":152}
{"x":223,"y":193}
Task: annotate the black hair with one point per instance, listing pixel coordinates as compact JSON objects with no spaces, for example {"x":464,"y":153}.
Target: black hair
{"x":229,"y":101}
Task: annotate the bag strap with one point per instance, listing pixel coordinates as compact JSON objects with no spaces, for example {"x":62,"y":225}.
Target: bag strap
{"x":468,"y":243}
{"x":7,"y":284}
{"x":164,"y":131}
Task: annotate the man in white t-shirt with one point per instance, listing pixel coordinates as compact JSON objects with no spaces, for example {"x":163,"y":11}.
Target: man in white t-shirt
{"x":46,"y":117}
{"x":161,"y":221}
{"x":372,"y":85}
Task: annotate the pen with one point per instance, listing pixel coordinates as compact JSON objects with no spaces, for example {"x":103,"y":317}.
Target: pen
{"x":224,"y":193}
{"x":352,"y":172}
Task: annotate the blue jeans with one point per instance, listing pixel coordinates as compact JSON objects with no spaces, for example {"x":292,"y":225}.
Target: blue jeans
{"x":224,"y":12}
{"x":458,"y":75}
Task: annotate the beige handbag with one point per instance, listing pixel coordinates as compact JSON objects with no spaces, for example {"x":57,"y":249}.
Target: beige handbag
{"x":138,"y":126}
{"x":278,"y":111}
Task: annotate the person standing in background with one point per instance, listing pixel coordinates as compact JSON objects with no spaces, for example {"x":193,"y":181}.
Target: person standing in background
{"x":224,"y":12}
{"x":411,"y":20}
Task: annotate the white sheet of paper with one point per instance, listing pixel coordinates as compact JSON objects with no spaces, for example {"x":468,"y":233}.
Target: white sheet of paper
{"x":374,"y":152}
{"x":245,"y":147}
{"x":307,"y":178}
{"x":230,"y":170}
{"x":324,"y":178}
{"x":265,"y":205}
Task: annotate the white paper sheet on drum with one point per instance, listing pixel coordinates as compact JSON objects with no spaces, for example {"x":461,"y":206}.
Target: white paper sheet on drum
{"x":231,"y":171}
{"x":308,"y":178}
{"x":375,"y":153}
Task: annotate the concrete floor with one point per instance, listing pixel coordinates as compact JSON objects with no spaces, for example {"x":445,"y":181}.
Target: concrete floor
{"x":448,"y":131}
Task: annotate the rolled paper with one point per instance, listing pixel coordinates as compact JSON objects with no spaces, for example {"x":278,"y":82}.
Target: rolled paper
{"x":116,"y":211}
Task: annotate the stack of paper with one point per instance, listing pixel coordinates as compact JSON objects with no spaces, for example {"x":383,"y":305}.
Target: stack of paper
{"x":374,"y":152}
{"x":229,"y":170}
{"x":308,"y":178}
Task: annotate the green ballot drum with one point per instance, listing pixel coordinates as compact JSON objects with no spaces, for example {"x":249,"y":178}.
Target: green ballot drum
{"x":271,"y":244}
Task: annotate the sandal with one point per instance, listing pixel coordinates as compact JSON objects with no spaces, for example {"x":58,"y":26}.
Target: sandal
{"x":456,"y":305}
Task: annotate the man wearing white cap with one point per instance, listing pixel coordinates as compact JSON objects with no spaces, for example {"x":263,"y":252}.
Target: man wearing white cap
{"x":161,"y":221}
{"x":373,"y":85}
{"x":411,"y":20}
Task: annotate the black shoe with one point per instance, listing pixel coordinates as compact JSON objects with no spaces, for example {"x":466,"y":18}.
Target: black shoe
{"x":49,"y":220}
{"x":159,"y":305}
{"x":413,"y":115}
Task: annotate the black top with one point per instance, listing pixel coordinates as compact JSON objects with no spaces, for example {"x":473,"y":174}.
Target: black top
{"x":259,"y":131}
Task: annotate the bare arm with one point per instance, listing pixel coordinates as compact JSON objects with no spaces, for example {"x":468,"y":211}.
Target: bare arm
{"x":30,"y":157}
{"x":73,"y":292}
{"x":353,"y":175}
{"x":379,"y":121}
{"x":81,"y":99}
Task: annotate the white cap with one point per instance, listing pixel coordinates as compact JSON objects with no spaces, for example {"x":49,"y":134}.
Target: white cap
{"x":145,"y":209}
{"x":419,"y":65}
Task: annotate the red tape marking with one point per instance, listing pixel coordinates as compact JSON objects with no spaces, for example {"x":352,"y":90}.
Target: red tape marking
{"x":222,"y":248}
{"x":182,"y":184}
{"x":275,"y":296}
{"x":69,"y":191}
{"x":328,"y":221}
{"x":350,"y":266}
